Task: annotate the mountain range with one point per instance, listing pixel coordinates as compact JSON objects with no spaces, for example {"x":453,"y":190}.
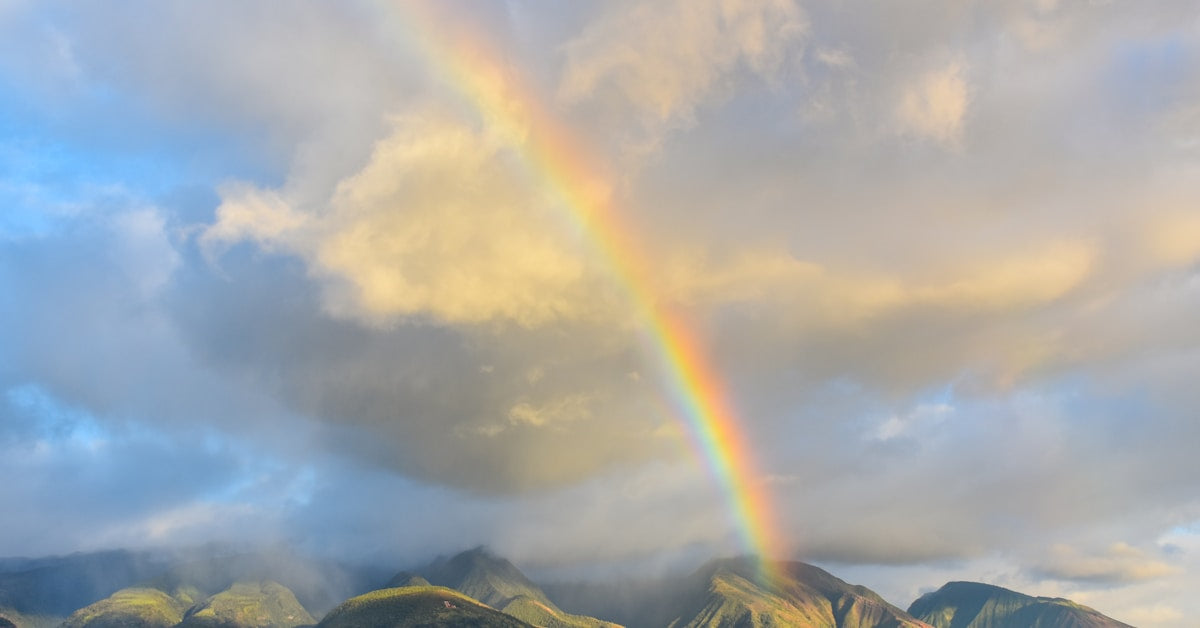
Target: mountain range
{"x":278,"y":589}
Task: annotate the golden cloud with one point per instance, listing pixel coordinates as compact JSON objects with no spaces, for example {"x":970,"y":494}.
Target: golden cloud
{"x":440,"y":223}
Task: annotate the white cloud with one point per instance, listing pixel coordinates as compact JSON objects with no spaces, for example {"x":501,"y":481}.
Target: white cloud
{"x":552,"y":413}
{"x":922,"y":416}
{"x":934,"y":106}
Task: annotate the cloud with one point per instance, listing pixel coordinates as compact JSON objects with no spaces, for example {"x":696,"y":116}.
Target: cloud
{"x":566,"y":409}
{"x":438,"y":224}
{"x":935,"y":106}
{"x":1117,"y":564}
{"x":250,"y":213}
{"x":1173,"y":237}
{"x":895,"y":425}
{"x":418,"y":397}
{"x":86,"y":480}
{"x":668,"y":78}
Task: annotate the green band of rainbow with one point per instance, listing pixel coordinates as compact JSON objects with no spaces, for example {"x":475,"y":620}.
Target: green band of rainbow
{"x":554,"y":155}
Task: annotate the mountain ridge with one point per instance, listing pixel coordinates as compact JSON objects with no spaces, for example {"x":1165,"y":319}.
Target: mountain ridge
{"x":962,"y":604}
{"x":417,"y":607}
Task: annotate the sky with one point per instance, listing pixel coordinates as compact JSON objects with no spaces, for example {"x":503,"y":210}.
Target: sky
{"x":298,"y":273}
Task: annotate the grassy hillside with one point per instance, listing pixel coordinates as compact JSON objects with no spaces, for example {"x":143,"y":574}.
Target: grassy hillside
{"x":730,"y":595}
{"x":978,"y":605}
{"x":130,"y":608}
{"x":548,"y":615}
{"x":417,"y":607}
{"x":263,"y":604}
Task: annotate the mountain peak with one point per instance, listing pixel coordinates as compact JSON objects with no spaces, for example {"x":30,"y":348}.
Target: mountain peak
{"x":482,"y":575}
{"x":497,"y":583}
{"x":729,"y":593}
{"x":978,"y":605}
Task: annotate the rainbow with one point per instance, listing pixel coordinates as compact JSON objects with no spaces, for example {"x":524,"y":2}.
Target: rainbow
{"x":555,"y":156}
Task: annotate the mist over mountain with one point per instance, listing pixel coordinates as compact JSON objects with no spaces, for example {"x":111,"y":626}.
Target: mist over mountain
{"x":319,"y":584}
{"x":58,"y":586}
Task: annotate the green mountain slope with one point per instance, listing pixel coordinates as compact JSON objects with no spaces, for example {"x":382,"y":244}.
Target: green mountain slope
{"x":496,"y":582}
{"x":264,"y":604}
{"x":977,"y":605}
{"x":130,"y":608}
{"x":728,"y":594}
{"x":417,"y":607}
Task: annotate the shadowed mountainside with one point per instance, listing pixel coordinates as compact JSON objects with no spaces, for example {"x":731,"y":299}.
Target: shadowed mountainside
{"x":10,"y":618}
{"x":978,"y":605}
{"x":59,"y":585}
